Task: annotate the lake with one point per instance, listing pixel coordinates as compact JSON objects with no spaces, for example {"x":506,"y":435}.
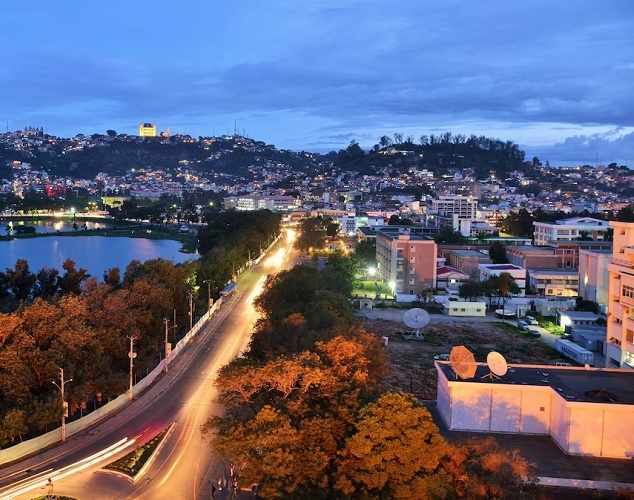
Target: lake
{"x":53,"y":225}
{"x":94,"y":253}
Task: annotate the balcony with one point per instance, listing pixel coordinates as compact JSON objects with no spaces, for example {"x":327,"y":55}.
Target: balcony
{"x":629,"y":301}
{"x":622,"y":263}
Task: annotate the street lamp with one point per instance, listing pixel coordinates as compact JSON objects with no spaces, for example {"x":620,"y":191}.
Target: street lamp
{"x":61,"y":385}
{"x":168,"y":346}
{"x":190,"y":297}
{"x":131,"y":355}
{"x":209,"y":302}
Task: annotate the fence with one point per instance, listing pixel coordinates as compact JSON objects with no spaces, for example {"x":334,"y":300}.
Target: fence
{"x":33,"y":445}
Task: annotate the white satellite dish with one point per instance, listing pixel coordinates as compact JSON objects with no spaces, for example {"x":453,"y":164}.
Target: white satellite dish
{"x":497,"y":366}
{"x":416,"y":318}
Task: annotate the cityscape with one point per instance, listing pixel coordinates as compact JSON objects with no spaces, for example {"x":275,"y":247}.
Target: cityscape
{"x":348,"y":250}
{"x":548,"y":244}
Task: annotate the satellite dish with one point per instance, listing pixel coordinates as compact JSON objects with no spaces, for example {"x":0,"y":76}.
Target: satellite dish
{"x":497,"y":365}
{"x":416,"y":318}
{"x":462,"y":362}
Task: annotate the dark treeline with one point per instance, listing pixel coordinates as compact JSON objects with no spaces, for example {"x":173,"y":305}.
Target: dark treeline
{"x":70,"y":320}
{"x":520,"y":222}
{"x":307,"y":414}
{"x":435,"y":152}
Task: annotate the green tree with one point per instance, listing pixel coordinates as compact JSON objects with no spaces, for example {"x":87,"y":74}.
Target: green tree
{"x":365,"y":253}
{"x":448,"y":235}
{"x":13,"y":425}
{"x":72,"y":279}
{"x":472,"y":290}
{"x":20,"y":280}
{"x":497,"y":253}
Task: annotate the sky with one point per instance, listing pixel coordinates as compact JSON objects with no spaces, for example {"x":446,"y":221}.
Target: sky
{"x":557,"y":78}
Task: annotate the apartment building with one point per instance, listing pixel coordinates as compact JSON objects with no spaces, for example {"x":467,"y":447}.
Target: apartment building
{"x":620,"y":331}
{"x":255,"y":202}
{"x":406,"y":261}
{"x":464,"y":206}
{"x":488,"y":271}
{"x":570,"y":230}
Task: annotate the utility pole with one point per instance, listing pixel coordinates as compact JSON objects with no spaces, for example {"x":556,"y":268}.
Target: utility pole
{"x":190,"y":296}
{"x":209,"y":301}
{"x":61,"y":385}
{"x":132,"y":355}
{"x":168,"y":346}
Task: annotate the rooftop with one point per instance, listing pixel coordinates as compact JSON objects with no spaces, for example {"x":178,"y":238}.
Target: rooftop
{"x":571,"y":383}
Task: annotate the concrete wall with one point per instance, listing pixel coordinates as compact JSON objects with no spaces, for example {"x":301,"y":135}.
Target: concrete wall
{"x":579,"y":428}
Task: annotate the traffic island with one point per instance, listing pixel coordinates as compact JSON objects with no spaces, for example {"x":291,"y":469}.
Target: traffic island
{"x":132,"y":466}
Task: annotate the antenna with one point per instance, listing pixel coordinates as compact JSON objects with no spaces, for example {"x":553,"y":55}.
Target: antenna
{"x":497,"y":366}
{"x":462,"y":362}
{"x":416,"y":318}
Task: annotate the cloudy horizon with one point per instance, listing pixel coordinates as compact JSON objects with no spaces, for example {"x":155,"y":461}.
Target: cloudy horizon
{"x":554,"y":78}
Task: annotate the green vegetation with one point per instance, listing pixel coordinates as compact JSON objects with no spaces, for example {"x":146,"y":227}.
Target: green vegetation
{"x":133,"y":462}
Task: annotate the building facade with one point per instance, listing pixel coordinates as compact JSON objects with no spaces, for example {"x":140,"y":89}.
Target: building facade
{"x":620,"y":331}
{"x":570,"y":230}
{"x":147,"y":130}
{"x":594,"y":276}
{"x":407,"y":262}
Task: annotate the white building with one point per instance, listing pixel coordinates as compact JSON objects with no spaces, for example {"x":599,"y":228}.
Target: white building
{"x":463,"y":206}
{"x":570,"y":230}
{"x":488,"y":271}
{"x":557,"y":282}
{"x":594,"y":276}
{"x":256,"y":202}
{"x":620,"y":331}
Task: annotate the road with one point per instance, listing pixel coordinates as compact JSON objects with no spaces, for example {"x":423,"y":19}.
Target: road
{"x":185,"y":467}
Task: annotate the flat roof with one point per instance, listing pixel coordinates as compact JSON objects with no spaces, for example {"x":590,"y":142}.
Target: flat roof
{"x":571,"y":383}
{"x":579,"y":315}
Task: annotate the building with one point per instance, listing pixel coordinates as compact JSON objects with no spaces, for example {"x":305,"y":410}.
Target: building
{"x":572,"y":229}
{"x":488,"y":271}
{"x":465,"y":308}
{"x":467,"y":261}
{"x":255,"y":202}
{"x":571,"y":405}
{"x":465,"y":207}
{"x":594,"y":276}
{"x":407,"y":262}
{"x":147,"y":130}
{"x":449,"y":279}
{"x":557,"y":282}
{"x":533,"y":256}
{"x":620,"y":332}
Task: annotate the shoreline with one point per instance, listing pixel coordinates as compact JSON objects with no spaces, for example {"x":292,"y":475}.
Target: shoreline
{"x":188,"y":241}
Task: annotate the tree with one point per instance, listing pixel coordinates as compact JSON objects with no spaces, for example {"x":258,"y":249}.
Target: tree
{"x":448,"y":235}
{"x":497,"y":253}
{"x":20,"y":280}
{"x":472,"y":290}
{"x":396,"y":451}
{"x":365,"y":253}
{"x":505,"y":286}
{"x":72,"y":279}
{"x":111,"y":133}
{"x":46,"y":284}
{"x":626,"y":214}
{"x":482,"y":469}
{"x":13,"y":425}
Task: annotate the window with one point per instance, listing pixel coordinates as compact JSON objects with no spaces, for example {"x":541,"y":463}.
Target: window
{"x":411,"y":292}
{"x":411,"y":281}
{"x":412,"y":260}
{"x":412,"y":248}
{"x":627,"y":291}
{"x":629,"y":336}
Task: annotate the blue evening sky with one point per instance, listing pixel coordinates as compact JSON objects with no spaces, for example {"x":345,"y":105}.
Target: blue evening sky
{"x":556,"y":77}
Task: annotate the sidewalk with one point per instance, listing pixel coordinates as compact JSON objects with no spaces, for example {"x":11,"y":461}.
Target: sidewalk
{"x":554,"y":467}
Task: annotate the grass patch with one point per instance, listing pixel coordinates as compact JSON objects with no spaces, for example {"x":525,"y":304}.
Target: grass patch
{"x":133,"y":462}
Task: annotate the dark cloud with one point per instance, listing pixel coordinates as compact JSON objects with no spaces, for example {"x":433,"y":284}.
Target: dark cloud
{"x":330,"y":72}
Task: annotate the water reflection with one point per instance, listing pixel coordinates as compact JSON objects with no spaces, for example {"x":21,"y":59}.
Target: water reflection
{"x":94,"y":253}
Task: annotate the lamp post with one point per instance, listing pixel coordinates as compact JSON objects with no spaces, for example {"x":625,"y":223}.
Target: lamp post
{"x":61,"y":385}
{"x":132,"y":355}
{"x":209,"y":302}
{"x":190,"y":297}
{"x":168,"y":346}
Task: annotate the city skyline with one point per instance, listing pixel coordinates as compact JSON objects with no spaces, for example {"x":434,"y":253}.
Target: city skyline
{"x":554,"y":79}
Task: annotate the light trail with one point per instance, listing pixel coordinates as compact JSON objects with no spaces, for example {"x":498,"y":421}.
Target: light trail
{"x":41,"y":482}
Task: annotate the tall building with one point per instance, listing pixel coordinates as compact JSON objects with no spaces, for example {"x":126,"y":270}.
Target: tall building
{"x":463,"y":206}
{"x":406,"y":261}
{"x":147,"y":130}
{"x":620,"y":331}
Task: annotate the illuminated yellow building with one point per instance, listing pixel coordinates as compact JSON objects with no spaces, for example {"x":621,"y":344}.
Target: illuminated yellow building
{"x":147,"y":130}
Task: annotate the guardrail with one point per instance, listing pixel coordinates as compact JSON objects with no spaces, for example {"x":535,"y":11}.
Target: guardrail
{"x":33,"y":445}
